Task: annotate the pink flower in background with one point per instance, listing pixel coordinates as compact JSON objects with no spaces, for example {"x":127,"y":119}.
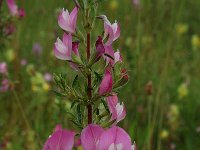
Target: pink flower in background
{"x":114,"y":138}
{"x":68,"y":21}
{"x":12,"y":7}
{"x":63,"y":49}
{"x":4,"y":86}
{"x":106,"y":83}
{"x":90,"y":136}
{"x":14,"y":10}
{"x":23,"y":62}
{"x":48,"y":77}
{"x":109,"y":54}
{"x":37,"y":48}
{"x":117,"y":110}
{"x":112,"y":31}
{"x":3,"y":68}
{"x":136,"y":2}
{"x":61,"y":139}
{"x":21,"y":12}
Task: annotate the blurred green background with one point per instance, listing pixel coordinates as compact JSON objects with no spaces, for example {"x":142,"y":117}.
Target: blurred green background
{"x":160,"y":44}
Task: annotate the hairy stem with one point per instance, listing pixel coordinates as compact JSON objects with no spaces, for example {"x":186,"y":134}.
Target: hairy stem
{"x":89,"y":90}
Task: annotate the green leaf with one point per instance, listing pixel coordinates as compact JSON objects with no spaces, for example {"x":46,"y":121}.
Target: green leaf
{"x":59,"y":94}
{"x":105,"y":105}
{"x":75,"y":82}
{"x":79,"y":114}
{"x":73,"y":104}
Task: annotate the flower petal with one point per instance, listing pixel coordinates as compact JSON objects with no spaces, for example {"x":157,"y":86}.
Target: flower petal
{"x":90,"y":136}
{"x":106,"y":84}
{"x":116,"y":136}
{"x":61,"y":139}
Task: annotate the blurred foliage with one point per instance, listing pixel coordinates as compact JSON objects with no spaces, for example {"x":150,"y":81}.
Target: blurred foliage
{"x":160,"y":44}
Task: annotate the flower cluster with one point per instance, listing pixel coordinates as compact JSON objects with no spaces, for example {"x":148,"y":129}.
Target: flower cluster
{"x":100,"y":99}
{"x":93,"y":137}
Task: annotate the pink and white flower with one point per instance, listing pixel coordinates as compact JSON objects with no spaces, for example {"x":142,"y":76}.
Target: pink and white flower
{"x":117,"y":57}
{"x":63,"y":49}
{"x":112,"y":31}
{"x":68,"y":21}
{"x":61,"y":139}
{"x":117,"y":110}
{"x":106,"y":83}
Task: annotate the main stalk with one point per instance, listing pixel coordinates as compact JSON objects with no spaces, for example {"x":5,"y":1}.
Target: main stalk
{"x":89,"y":80}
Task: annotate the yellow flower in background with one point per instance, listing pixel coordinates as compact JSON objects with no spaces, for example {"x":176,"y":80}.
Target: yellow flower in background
{"x":46,"y":87}
{"x":195,"y":41}
{"x":182,"y":90}
{"x":181,"y":28}
{"x":114,"y":4}
{"x":164,"y":134}
{"x":10,"y":56}
{"x":173,"y":116}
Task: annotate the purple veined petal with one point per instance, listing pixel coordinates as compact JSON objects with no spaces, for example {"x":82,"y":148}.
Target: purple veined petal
{"x":73,"y":18}
{"x":64,"y":21}
{"x":67,"y":40}
{"x":109,"y":57}
{"x":106,"y":83}
{"x":115,"y":137}
{"x":90,"y":136}
{"x":110,"y":35}
{"x":60,"y":140}
{"x":75,"y":48}
{"x":112,"y":102}
{"x":58,"y":53}
{"x":100,"y":47}
{"x":12,"y":7}
{"x":116,"y":30}
{"x":63,"y":49}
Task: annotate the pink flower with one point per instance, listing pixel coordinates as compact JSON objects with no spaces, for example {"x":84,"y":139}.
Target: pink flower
{"x":3,"y":68}
{"x":90,"y":137}
{"x":48,"y":77}
{"x":112,"y":31}
{"x":21,"y":12}
{"x":136,"y":2}
{"x":14,"y":10}
{"x":109,"y":55}
{"x":63,"y":49}
{"x":106,"y":83}
{"x":61,"y":139}
{"x":68,"y":21}
{"x":117,"y":110}
{"x":100,"y":49}
{"x":117,"y":57}
{"x":76,"y":52}
{"x":4,"y":85}
{"x":12,"y":7}
{"x":114,"y":138}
